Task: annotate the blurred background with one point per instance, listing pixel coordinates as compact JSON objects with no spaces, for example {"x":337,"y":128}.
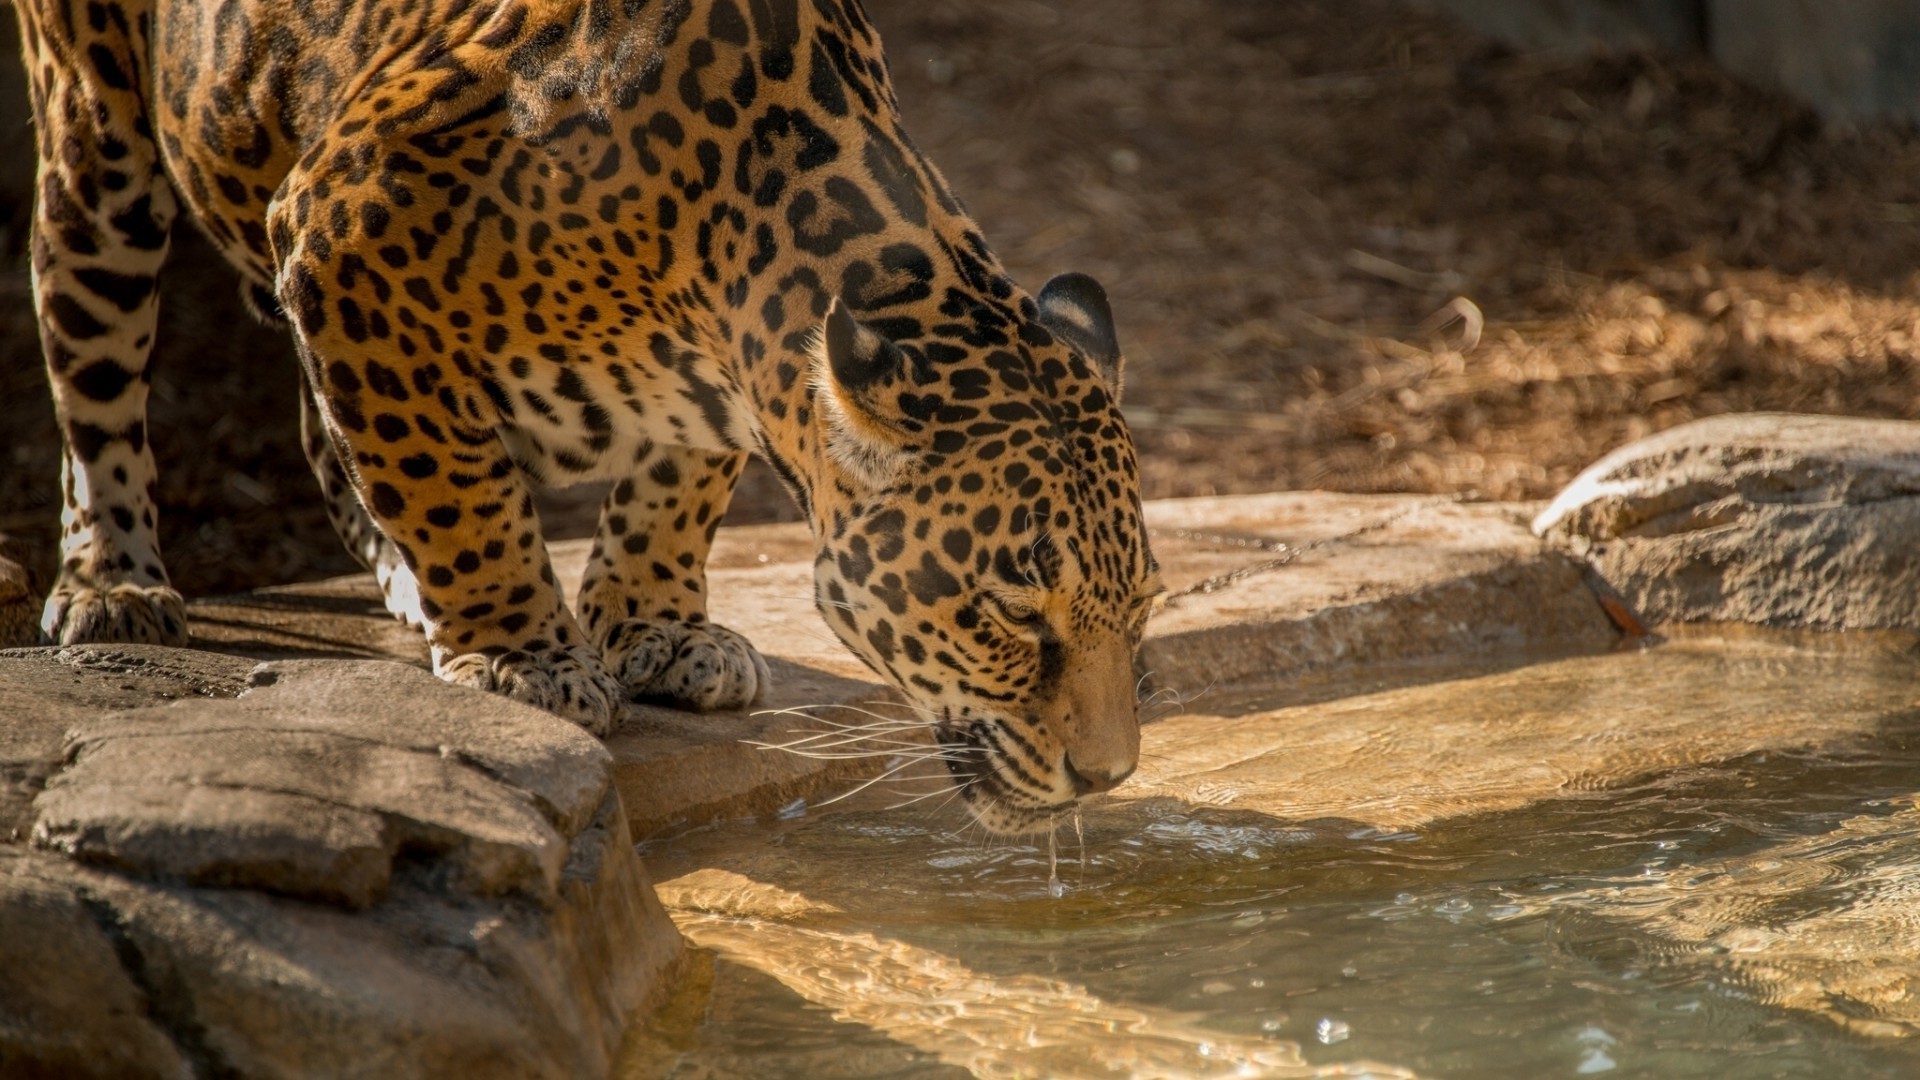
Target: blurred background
{"x":1362,"y":245}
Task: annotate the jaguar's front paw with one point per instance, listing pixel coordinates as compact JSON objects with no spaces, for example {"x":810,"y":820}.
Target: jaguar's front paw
{"x":140,"y":614}
{"x":570,"y":682}
{"x":697,"y":666}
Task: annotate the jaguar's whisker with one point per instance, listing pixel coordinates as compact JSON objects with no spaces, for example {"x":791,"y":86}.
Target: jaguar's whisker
{"x":891,"y":771}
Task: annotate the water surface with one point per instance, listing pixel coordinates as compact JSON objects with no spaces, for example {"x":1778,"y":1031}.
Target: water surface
{"x":1699,"y":860}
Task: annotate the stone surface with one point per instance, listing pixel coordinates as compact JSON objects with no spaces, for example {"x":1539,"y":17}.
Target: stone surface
{"x":1765,"y":518}
{"x":1265,"y":587}
{"x":1298,"y":583}
{"x":19,"y":600}
{"x":69,"y":1006}
{"x":308,"y":868}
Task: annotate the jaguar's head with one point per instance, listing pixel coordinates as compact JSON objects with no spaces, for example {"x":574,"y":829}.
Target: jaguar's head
{"x":981,"y":546}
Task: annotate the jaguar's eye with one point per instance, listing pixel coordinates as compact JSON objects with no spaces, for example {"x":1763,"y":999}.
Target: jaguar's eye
{"x":1019,"y":611}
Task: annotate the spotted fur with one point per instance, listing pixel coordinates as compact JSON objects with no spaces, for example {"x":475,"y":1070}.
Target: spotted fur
{"x":549,"y":241}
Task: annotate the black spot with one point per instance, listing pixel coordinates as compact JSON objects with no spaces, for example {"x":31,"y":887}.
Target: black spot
{"x":87,"y":441}
{"x":102,"y":380}
{"x":74,"y":321}
{"x":823,"y":83}
{"x":386,"y":500}
{"x":138,"y":227}
{"x":107,"y":66}
{"x":931,"y":582}
{"x":124,"y":291}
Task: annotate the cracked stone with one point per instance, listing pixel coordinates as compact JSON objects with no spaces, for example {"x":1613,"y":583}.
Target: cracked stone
{"x":235,"y":797}
{"x":307,"y":868}
{"x":67,"y":1005}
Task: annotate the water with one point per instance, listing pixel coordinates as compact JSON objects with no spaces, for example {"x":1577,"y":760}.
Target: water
{"x":1702,"y":860}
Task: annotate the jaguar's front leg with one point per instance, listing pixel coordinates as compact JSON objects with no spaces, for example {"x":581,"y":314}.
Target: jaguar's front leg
{"x":644,"y":597}
{"x":99,"y":237}
{"x":418,"y":434}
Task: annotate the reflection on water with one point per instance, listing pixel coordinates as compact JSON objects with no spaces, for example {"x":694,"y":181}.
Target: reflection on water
{"x":1705,"y":862}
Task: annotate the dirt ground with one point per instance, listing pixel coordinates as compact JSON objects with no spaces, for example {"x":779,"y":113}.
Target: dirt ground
{"x":1350,"y":245}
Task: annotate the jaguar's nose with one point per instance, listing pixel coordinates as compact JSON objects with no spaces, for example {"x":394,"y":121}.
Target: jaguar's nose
{"x":1088,"y":781}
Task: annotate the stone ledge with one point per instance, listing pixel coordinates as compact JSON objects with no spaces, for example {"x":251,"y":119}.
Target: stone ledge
{"x":1379,"y":579}
{"x":1266,"y":587}
{"x":308,"y":867}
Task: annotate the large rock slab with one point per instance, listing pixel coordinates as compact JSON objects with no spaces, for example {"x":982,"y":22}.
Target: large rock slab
{"x":1263,"y":587}
{"x":307,"y":867}
{"x":1272,"y":587}
{"x":1767,"y":518}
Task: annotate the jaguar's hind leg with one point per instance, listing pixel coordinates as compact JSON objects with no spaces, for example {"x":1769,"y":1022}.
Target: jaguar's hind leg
{"x":643,"y":598}
{"x":350,"y":521}
{"x":99,"y":237}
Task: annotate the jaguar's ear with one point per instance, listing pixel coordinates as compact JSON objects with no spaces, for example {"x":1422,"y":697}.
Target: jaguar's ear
{"x":855,"y":369}
{"x":1074,"y":307}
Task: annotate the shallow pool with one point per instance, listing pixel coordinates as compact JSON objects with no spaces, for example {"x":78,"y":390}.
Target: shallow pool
{"x":1697,"y":860}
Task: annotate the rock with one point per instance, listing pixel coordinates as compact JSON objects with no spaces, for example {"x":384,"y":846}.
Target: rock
{"x":19,"y":600}
{"x":308,"y":868}
{"x":1268,"y":588}
{"x":1775,"y":519}
{"x":68,"y":1005}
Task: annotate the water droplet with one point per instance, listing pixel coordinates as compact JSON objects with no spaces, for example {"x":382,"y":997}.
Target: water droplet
{"x":1256,"y":983}
{"x":1350,"y":972}
{"x":1455,"y":906}
{"x":1330,"y":1031}
{"x":1595,"y":1060}
{"x":1272,"y":1023}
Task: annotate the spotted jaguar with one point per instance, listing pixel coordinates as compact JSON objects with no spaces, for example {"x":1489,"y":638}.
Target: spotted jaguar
{"x":524,"y":242}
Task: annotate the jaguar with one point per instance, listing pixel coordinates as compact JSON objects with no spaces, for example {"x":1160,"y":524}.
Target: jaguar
{"x":525,"y":242}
